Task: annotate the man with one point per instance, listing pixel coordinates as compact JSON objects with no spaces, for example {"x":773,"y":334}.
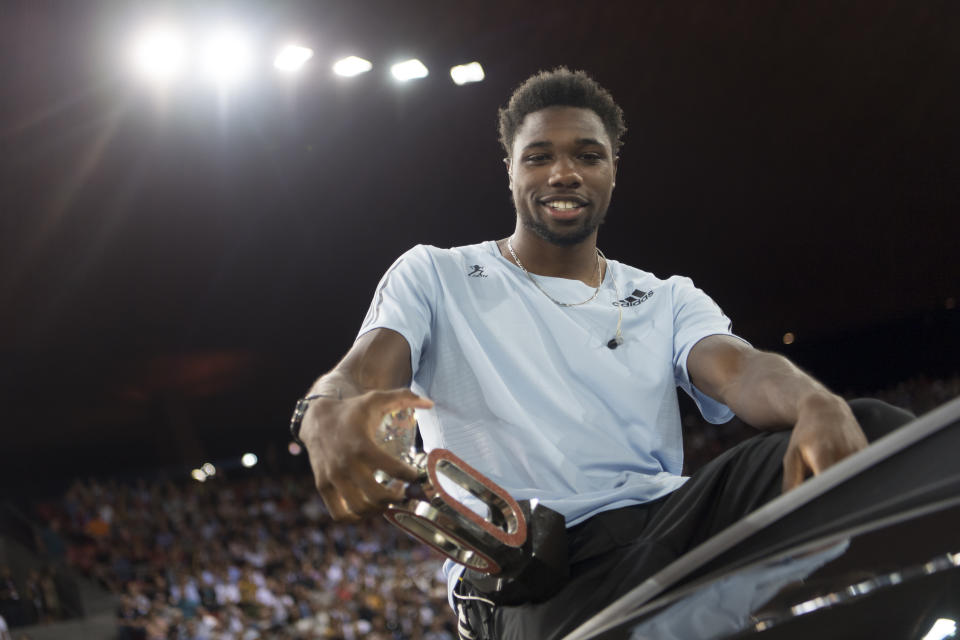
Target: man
{"x":553,"y":370}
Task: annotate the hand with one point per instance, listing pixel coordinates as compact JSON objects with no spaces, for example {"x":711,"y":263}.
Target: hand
{"x":826,"y":432}
{"x":340,"y":437}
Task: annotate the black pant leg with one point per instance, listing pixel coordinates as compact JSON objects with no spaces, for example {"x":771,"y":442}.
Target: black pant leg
{"x":707,"y":503}
{"x":725,"y":490}
{"x":877,"y":418}
{"x":746,"y":477}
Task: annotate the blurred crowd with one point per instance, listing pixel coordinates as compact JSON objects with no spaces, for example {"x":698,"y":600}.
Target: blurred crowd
{"x":258,"y":556}
{"x":35,"y":601}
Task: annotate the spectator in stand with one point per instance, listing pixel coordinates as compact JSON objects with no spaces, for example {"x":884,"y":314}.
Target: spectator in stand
{"x":51,"y":598}
{"x":12,"y":607}
{"x":50,"y":542}
{"x":33,"y":598}
{"x":130,"y":619}
{"x":437,"y":631}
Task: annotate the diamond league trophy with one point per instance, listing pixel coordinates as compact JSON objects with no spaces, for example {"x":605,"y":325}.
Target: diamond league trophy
{"x":516,"y":552}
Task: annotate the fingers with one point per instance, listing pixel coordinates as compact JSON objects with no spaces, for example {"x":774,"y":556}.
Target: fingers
{"x":380,"y":404}
{"x":825,"y":433}
{"x":822,"y":455}
{"x":336,"y":505}
{"x":397,"y":399}
{"x":813,"y":450}
{"x":371,"y":408}
{"x":354,"y":491}
{"x":349,"y":499}
{"x":794,"y":472}
{"x":377,"y":458}
{"x":345,"y":453}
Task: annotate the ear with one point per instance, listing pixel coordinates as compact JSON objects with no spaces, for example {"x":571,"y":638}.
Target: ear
{"x":506,"y":161}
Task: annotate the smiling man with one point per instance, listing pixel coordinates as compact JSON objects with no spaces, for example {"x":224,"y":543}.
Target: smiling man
{"x":563,"y":207}
{"x":554,"y":371}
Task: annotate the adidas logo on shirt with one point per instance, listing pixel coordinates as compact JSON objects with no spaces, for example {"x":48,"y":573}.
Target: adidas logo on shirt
{"x":633,"y":299}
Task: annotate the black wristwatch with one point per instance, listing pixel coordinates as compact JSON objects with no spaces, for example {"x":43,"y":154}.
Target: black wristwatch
{"x":301,"y":410}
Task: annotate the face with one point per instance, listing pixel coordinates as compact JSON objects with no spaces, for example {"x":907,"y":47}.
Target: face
{"x":562,"y":172}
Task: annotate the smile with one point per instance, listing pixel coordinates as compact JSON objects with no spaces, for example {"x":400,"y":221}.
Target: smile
{"x":565,"y":207}
{"x":563,"y":210}
{"x":563,"y":204}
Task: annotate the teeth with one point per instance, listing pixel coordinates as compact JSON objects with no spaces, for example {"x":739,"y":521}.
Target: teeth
{"x":563,"y":204}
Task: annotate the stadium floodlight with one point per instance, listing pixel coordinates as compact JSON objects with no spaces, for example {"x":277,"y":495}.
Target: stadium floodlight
{"x":198,"y":475}
{"x":941,"y":629}
{"x":158,"y":53}
{"x":227,"y":56}
{"x":351,"y":66}
{"x":292,"y":58}
{"x":208,"y":469}
{"x":466,"y":73}
{"x":249,"y":460}
{"x":409,"y":70}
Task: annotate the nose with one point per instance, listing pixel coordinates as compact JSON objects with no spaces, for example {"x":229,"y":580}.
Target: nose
{"x":564,"y":174}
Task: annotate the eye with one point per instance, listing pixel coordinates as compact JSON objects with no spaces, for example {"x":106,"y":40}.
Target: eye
{"x":536,"y":158}
{"x":591,"y":156}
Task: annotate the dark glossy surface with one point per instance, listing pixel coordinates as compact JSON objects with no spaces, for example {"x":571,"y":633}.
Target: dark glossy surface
{"x":890,"y":578}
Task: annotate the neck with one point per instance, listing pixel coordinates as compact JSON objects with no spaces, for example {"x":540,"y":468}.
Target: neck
{"x":576,"y":262}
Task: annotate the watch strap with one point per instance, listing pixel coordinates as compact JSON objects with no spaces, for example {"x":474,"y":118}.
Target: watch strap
{"x":300,"y":410}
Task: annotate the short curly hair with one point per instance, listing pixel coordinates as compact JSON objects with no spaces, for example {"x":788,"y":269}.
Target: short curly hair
{"x":560,"y":87}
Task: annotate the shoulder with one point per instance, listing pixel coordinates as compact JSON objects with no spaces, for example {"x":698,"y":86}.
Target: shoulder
{"x":441,"y":260}
{"x":626,"y":271}
{"x":418,"y":258}
{"x":465,"y":253}
{"x":426,"y":263}
{"x":642,"y":285}
{"x":629,"y":278}
{"x":676,"y":284}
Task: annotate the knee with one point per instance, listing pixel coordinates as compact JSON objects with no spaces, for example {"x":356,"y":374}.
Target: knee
{"x":878,"y":418}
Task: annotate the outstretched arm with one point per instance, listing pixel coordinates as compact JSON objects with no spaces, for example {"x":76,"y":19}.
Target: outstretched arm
{"x":339,"y":431}
{"x":769,"y":392}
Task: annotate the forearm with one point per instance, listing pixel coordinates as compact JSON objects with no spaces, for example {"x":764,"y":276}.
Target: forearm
{"x":374,"y":364}
{"x":770,"y":392}
{"x":337,"y":384}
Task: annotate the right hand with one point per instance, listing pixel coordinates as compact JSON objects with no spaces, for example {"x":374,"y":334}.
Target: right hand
{"x":341,"y":441}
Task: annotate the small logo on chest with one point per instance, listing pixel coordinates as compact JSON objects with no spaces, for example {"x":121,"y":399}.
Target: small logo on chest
{"x":477,"y":271}
{"x":635,"y":298}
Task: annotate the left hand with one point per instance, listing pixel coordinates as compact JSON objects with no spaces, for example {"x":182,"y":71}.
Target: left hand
{"x":825,"y":433}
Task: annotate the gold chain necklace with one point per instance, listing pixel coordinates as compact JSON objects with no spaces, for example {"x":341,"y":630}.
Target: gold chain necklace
{"x":617,"y":339}
{"x":543,"y":291}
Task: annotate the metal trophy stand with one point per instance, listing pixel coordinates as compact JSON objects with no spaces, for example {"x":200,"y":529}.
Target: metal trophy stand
{"x":499,"y":539}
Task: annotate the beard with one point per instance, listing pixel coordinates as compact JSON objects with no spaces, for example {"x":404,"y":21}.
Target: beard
{"x":566,"y":238}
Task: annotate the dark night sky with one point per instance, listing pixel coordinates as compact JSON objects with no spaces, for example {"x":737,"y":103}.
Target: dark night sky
{"x":174,"y":270}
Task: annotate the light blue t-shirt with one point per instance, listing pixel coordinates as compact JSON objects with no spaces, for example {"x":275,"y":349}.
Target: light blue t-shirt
{"x":529,"y":393}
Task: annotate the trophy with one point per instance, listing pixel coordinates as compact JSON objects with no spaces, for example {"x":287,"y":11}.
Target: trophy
{"x":514,"y":552}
